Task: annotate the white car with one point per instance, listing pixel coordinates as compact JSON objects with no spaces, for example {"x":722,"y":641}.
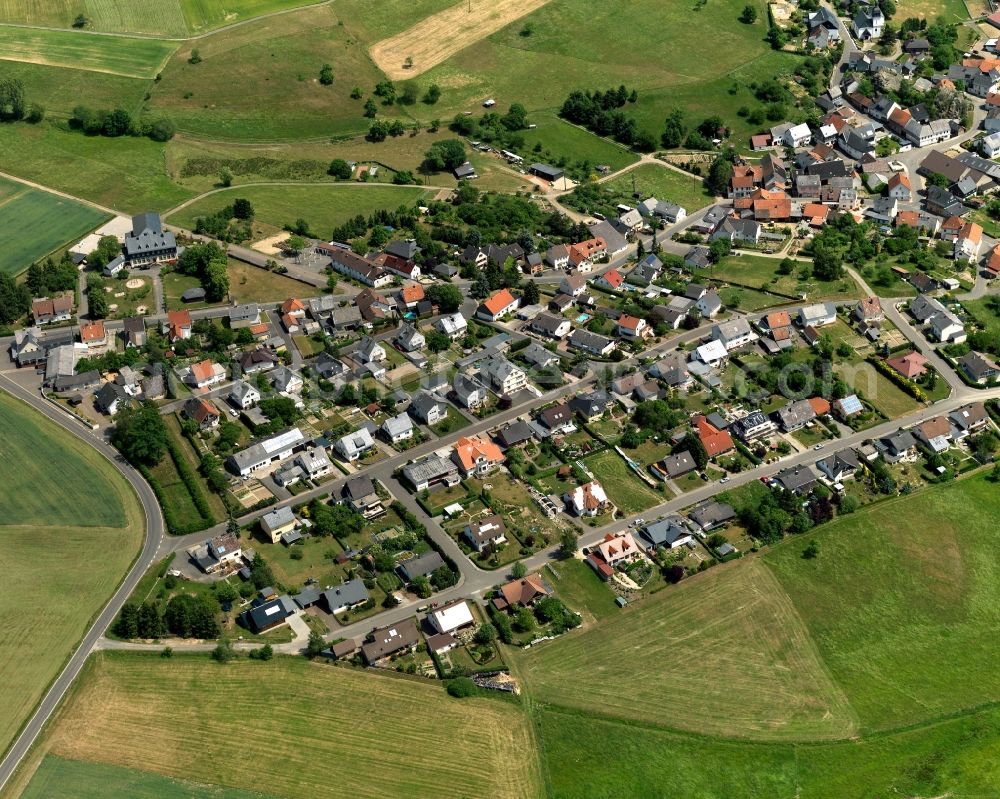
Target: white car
{"x":724,"y":480}
{"x":233,"y":412}
{"x":819,"y":446}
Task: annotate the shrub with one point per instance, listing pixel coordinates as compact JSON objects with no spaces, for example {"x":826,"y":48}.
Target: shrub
{"x":462,"y":687}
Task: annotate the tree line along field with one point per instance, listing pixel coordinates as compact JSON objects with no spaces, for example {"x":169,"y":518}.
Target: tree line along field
{"x":66,"y":545}
{"x":128,"y":56}
{"x":323,"y":207}
{"x":316,"y":729}
{"x":33,"y":223}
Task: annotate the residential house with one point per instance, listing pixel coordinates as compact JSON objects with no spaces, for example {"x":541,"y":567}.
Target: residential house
{"x":420,"y":566}
{"x":550,"y":326}
{"x":911,"y":365}
{"x":968,"y":419}
{"x":488,"y":531}
{"x":839,"y":465}
{"x":934,"y":433}
{"x":678,"y":464}
{"x":449,"y":618}
{"x":243,"y":395}
{"x":590,"y":405}
{"x":469,"y":392}
{"x":818,"y":315}
{"x":618,"y":549}
{"x":899,"y":187}
{"x":329,"y":367}
{"x":95,"y":336}
{"x":204,"y":374}
{"x":712,"y":514}
{"x":738,"y":231}
{"x":753,"y":426}
{"x":592,"y":343}
{"x":427,"y":407}
{"x":583,"y":254}
{"x":797,"y":479}
{"x":111,"y":398}
{"x":285,"y":381}
{"x":394,"y":639}
{"x":514,"y":434}
{"x":354,"y":445}
{"x":260,"y":359}
{"x":397,"y":428}
{"x":498,"y":305}
{"x":587,"y":500}
{"x":134,"y":331}
{"x":796,"y":415}
{"x":453,"y":325}
{"x":476,"y":456}
{"x":897,"y":446}
{"x":536,"y":355}
{"x":632,"y":327}
{"x":733,"y":334}
{"x":276,"y":523}
{"x":314,"y":463}
{"x":709,"y":305}
{"x":573,"y":284}
{"x":611,"y":280}
{"x":349,"y":264}
{"x":869,"y":309}
{"x":409,"y":339}
{"x":202,"y":412}
{"x":372,"y":306}
{"x":245,"y":315}
{"x":369,"y":351}
{"x":503,"y":375}
{"x":177,"y":326}
{"x":47,"y":311}
{"x":978,"y":368}
{"x":521,"y":593}
{"x":359,"y":495}
{"x":266,"y":452}
{"x":431,"y":471}
{"x":345,"y":596}
{"x":557,"y":256}
{"x":969,"y":240}
{"x":715,"y":441}
{"x":666,"y":533}
{"x":557,"y":419}
{"x":147,"y":242}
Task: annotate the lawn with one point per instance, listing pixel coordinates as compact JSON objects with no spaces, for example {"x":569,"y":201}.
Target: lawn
{"x":66,"y":546}
{"x":193,"y":460}
{"x":881,"y":392}
{"x":126,"y":173}
{"x":180,"y":718}
{"x":728,"y":640}
{"x":623,"y":487}
{"x":560,"y":139}
{"x":252,"y":284}
{"x":159,"y":17}
{"x":57,"y":776}
{"x":202,"y":15}
{"x":663,"y":183}
{"x":901,"y":613}
{"x":982,"y":311}
{"x":128,"y":56}
{"x":581,"y":589}
{"x":33,"y":223}
{"x":759,"y":272}
{"x":323,"y":207}
{"x":953,"y":758}
{"x":930,"y":10}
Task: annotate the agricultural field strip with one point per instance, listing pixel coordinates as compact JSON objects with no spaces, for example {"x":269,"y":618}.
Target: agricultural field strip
{"x":127,"y":56}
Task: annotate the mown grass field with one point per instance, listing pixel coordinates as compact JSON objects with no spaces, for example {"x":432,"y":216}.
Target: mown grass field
{"x":177,"y":718}
{"x":33,"y":223}
{"x":904,"y":612}
{"x":126,"y":173}
{"x":952,"y":758}
{"x":623,"y":488}
{"x":663,"y":183}
{"x":757,"y":271}
{"x":65,"y":543}
{"x":202,"y":15}
{"x":57,"y":776}
{"x":153,"y":17}
{"x":129,"y":56}
{"x":560,"y":139}
{"x":260,"y":82}
{"x":323,"y":207}
{"x":724,"y":654}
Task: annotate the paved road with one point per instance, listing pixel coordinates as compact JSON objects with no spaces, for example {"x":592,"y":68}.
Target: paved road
{"x":154,"y":533}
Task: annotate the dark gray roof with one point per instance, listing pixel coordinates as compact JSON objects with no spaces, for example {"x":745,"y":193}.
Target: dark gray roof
{"x":350,"y":593}
{"x":421,"y":565}
{"x":148,"y":235}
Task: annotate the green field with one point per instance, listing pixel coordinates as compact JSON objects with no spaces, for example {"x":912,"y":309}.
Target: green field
{"x":202,"y":15}
{"x":126,"y":173}
{"x":129,"y":56}
{"x":57,"y":776}
{"x":560,"y":139}
{"x":952,"y":758}
{"x":158,"y":17}
{"x":323,"y":207}
{"x":663,"y":183}
{"x":33,"y":223}
{"x":724,"y":654}
{"x":757,"y":271}
{"x":622,"y":486}
{"x":66,"y":544}
{"x":351,"y":732}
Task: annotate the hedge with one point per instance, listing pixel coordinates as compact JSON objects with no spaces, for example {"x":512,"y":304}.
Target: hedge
{"x":173,"y":526}
{"x":895,"y":377}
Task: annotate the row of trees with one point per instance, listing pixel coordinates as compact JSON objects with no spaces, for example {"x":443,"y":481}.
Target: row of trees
{"x":14,"y":105}
{"x":119,"y":122}
{"x":186,"y":616}
{"x":599,"y":112}
{"x":207,"y":262}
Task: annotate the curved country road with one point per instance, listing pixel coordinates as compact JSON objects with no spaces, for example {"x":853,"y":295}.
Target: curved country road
{"x":154,"y":532}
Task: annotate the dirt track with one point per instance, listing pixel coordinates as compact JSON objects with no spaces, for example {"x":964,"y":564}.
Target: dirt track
{"x":441,"y":35}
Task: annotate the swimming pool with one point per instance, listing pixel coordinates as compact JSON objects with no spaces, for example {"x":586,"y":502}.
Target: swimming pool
{"x":584,"y":317}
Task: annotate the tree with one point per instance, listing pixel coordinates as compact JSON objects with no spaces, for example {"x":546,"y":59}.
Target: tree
{"x":447,"y":297}
{"x":242,"y":209}
{"x":14,"y":299}
{"x":518,"y":570}
{"x":674,"y":132}
{"x":140,"y":435}
{"x":524,"y":620}
{"x":811,"y":550}
{"x":370,"y":108}
{"x":409,"y":94}
{"x":188,"y":616}
{"x":719,"y":174}
{"x":444,"y":155}
{"x":206,"y":261}
{"x":529,"y":293}
{"x":386,"y":89}
{"x":226,"y":592}
{"x":80,"y":21}
{"x":719,"y":249}
{"x":692,"y":443}
{"x":295,"y":244}
{"x":486,"y":634}
{"x":749,"y":15}
{"x":224,"y":652}
{"x":97,"y":299}
{"x":13,"y":104}
{"x":127,"y":625}
{"x":326,"y":75}
{"x":225,"y":177}
{"x":433,"y":94}
{"x":266,"y":652}
{"x":315,"y":645}
{"x":195,"y":57}
{"x":340,"y":169}
{"x":437,"y":341}
{"x":567,"y":543}
{"x":462,"y":687}
{"x":776,"y":37}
